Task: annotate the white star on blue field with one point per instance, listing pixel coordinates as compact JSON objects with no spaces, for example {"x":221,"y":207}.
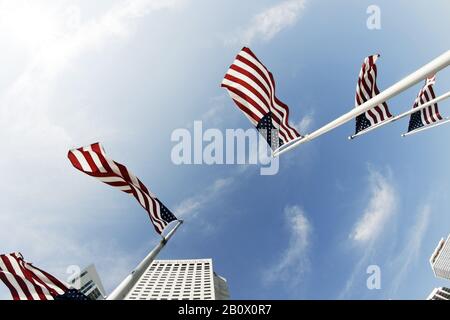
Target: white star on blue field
{"x":128,"y":73}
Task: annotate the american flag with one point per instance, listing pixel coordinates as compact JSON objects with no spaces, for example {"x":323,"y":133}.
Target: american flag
{"x":428,"y":115}
{"x":93,"y":161}
{"x":367,"y":89}
{"x":27,"y":282}
{"x":252,"y":87}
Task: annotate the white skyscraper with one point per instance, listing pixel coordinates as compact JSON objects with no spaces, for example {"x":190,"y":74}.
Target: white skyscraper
{"x":439,"y":294}
{"x":180,"y":280}
{"x":89,"y":283}
{"x":440,"y":259}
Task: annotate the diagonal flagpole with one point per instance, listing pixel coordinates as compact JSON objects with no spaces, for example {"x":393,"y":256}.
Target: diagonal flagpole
{"x":426,"y":127}
{"x":128,"y":283}
{"x":400,"y":116}
{"x":432,"y":67}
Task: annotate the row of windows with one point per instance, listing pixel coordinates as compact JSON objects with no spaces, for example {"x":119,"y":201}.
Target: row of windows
{"x":159,"y":264}
{"x":205,"y":298}
{"x":191,"y":277}
{"x":179,"y":280}
{"x":173,"y":273}
{"x":444,"y":295}
{"x":180,"y":276}
{"x":185,"y":288}
{"x":187,"y":291}
{"x":173,"y":289}
{"x":170,"y":295}
{"x":87,"y":286}
{"x":172,"y":298}
{"x":191,"y":266}
{"x":186,"y":280}
{"x":198,"y":268}
{"x":95,"y":294}
{"x":172,"y":283}
{"x":178,"y":272}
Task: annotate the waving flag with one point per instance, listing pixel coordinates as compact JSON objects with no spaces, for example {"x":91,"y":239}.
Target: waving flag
{"x":252,"y":87}
{"x":367,"y":89}
{"x":93,"y":161}
{"x":27,"y":282}
{"x":428,"y":115}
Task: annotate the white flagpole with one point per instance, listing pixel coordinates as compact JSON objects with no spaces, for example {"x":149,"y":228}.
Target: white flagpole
{"x":426,"y":127}
{"x":432,"y":67}
{"x":128,"y":283}
{"x":404,"y":114}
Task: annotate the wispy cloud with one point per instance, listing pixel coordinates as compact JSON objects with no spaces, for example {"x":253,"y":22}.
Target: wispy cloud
{"x":40,"y":214}
{"x":268,"y":23}
{"x":25,"y":109}
{"x":294,"y":260}
{"x":381,"y":207}
{"x":369,"y":228}
{"x":192,"y":206}
{"x":357,"y":271}
{"x":305,"y":123}
{"x":397,"y":263}
{"x":402,"y":261}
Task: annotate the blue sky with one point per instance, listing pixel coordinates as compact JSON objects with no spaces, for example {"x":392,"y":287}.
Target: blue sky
{"x":128,"y":73}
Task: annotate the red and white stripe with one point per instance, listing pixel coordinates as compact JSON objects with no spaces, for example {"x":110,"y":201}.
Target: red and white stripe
{"x":92,"y":160}
{"x":429,"y":114}
{"x":367,"y":88}
{"x":26,"y":282}
{"x":252,"y":87}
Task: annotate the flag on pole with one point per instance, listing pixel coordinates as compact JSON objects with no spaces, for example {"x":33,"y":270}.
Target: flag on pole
{"x":27,"y":282}
{"x":429,"y":115}
{"x":92,"y":160}
{"x":252,"y":87}
{"x":366,"y":89}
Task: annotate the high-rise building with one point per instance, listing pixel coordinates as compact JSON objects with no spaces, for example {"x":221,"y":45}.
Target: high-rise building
{"x":440,"y":259}
{"x":180,"y":280}
{"x":439,"y":294}
{"x":89,"y":283}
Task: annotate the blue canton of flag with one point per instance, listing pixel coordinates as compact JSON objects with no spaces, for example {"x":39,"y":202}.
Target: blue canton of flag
{"x":428,"y":115}
{"x":166,"y":214}
{"x":269,"y":132}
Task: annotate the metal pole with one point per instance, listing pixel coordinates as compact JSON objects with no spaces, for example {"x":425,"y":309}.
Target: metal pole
{"x":400,"y":116}
{"x":128,"y":283}
{"x":426,"y":127}
{"x":431,"y":68}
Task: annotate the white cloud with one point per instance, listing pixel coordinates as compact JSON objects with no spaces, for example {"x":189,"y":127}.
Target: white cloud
{"x":305,"y":123}
{"x":294,"y":260}
{"x":358,"y":270}
{"x":410,"y":253}
{"x":26,"y":118}
{"x":399,"y":262}
{"x":381,"y":207}
{"x":40,"y":206}
{"x":369,"y":228}
{"x":266,"y":24}
{"x":53,"y":246}
{"x":192,"y":206}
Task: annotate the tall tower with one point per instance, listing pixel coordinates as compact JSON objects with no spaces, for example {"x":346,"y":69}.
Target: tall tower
{"x":180,"y":280}
{"x":440,"y":259}
{"x":89,"y":283}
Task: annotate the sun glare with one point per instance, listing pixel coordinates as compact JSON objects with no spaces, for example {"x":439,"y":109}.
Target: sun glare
{"x":29,"y":23}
